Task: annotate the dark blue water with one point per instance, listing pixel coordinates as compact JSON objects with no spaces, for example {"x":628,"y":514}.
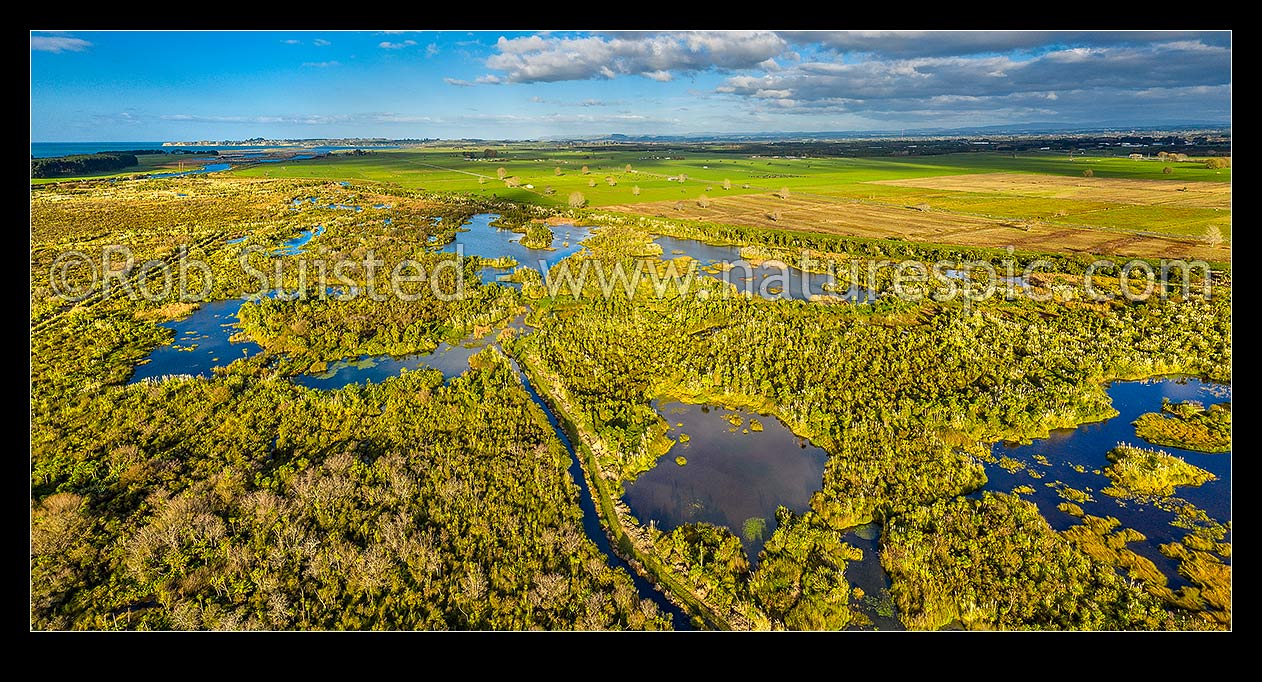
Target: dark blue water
{"x":591,"y":522}
{"x":770,"y":279}
{"x":201,"y":344}
{"x":296,"y":157}
{"x":868,"y":575}
{"x":208,"y":168}
{"x":293,"y":247}
{"x":451,"y":360}
{"x":1087,"y":446}
{"x":733,"y":475}
{"x":479,"y":238}
{"x":48,"y":149}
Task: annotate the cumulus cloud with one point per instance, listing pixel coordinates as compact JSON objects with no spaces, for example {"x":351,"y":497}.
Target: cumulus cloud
{"x":662,"y":56}
{"x":458,"y":82}
{"x":57,"y":44}
{"x":1118,"y":68}
{"x":387,"y":45}
{"x":907,"y":44}
{"x":537,"y":58}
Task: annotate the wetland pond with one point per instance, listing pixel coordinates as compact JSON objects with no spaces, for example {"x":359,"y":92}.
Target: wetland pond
{"x":734,"y":476}
{"x":451,"y":360}
{"x":769,"y":279}
{"x":737,"y":475}
{"x":479,"y":238}
{"x":208,"y":168}
{"x":293,"y":247}
{"x":201,"y":344}
{"x":1086,"y":447}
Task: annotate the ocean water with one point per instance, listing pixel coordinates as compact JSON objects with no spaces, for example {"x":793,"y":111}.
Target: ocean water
{"x":42,"y":150}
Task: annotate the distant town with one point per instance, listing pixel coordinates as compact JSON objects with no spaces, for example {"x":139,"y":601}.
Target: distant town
{"x":268,"y":142}
{"x":1140,"y":143}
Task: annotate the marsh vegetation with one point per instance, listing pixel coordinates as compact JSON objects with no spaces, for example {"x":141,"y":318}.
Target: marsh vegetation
{"x":432,"y":499}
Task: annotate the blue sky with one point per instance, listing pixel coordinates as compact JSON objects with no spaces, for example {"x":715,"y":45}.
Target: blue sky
{"x":105,"y":86}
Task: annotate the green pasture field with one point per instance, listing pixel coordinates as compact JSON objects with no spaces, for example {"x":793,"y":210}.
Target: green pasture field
{"x":446,"y":169}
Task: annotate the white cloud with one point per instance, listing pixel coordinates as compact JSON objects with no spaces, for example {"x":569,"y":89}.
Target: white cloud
{"x":1119,"y":68}
{"x":292,"y":41}
{"x":535,"y":58}
{"x":321,"y":42}
{"x":431,"y":50}
{"x":121,"y":118}
{"x":908,"y":44}
{"x":57,"y":44}
{"x":387,"y":45}
{"x":458,"y":82}
{"x":321,"y":65}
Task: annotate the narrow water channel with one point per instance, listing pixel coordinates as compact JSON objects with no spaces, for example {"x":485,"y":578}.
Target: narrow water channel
{"x":735,"y":474}
{"x":591,"y":521}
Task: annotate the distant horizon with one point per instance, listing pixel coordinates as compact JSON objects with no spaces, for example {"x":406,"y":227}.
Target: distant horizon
{"x":107,"y":85}
{"x":998,"y":129}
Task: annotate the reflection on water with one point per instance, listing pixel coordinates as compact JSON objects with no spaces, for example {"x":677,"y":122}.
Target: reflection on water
{"x":769,"y":279}
{"x":591,"y":522}
{"x":869,"y":576}
{"x":295,"y":157}
{"x":451,"y":360}
{"x":1087,"y":445}
{"x":735,"y":476}
{"x":479,"y":238}
{"x":201,"y":344}
{"x":293,"y":247}
{"x":209,"y":168}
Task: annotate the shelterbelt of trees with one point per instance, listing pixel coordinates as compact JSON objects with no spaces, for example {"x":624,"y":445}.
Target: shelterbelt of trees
{"x":244,"y":501}
{"x":79,"y":164}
